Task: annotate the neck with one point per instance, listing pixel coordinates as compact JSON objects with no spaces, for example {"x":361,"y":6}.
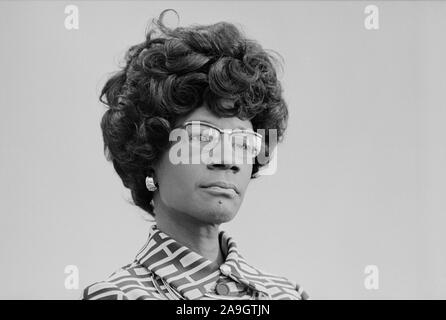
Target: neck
{"x":196,"y":235}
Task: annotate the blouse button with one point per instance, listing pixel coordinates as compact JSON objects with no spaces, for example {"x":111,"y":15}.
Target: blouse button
{"x":222,"y":289}
{"x":225,"y":269}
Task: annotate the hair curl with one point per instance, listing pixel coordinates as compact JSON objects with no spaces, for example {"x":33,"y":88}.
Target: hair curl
{"x":169,"y":75}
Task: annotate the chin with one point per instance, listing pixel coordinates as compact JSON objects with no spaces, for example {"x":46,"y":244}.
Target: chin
{"x":218,"y":215}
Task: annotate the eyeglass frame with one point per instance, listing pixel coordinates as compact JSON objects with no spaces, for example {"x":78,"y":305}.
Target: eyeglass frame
{"x":222,"y":131}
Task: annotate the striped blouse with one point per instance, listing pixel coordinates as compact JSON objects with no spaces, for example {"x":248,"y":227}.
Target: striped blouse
{"x":165,"y":269}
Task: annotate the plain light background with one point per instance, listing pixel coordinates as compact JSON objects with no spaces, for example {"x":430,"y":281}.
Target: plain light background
{"x":361,"y":173}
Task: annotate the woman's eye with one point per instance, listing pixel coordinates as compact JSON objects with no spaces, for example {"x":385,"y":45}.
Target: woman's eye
{"x":201,"y":138}
{"x":243,"y":145}
{"x":205,"y":138}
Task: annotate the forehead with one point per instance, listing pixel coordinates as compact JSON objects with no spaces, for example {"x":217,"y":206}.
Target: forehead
{"x":204,"y":114}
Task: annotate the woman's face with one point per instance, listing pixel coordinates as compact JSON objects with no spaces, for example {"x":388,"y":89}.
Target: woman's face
{"x":185,"y":188}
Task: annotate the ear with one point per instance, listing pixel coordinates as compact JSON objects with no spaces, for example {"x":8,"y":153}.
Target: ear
{"x":152,"y":171}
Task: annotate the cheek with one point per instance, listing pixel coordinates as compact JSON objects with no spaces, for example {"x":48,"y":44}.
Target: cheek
{"x":179,"y":183}
{"x":245,"y":176}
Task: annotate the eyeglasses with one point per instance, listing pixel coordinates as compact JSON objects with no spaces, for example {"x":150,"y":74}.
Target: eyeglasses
{"x":206,"y":135}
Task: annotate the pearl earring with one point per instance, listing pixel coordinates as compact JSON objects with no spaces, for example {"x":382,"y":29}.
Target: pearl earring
{"x":150,"y":184}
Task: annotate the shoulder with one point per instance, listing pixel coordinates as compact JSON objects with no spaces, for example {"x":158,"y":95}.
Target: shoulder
{"x":103,"y":290}
{"x":131,"y":282}
{"x":282,"y":288}
{"x":278,"y":287}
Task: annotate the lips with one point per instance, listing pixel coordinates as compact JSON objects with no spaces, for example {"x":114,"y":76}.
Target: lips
{"x":221,"y":185}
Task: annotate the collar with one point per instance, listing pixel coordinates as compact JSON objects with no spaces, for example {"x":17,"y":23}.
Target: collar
{"x":188,"y":272}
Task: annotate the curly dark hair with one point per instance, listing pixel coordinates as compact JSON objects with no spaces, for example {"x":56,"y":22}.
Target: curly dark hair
{"x":169,"y":75}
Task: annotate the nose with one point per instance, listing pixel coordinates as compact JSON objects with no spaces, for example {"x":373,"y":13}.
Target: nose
{"x":223,"y":166}
{"x":223,"y":159}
